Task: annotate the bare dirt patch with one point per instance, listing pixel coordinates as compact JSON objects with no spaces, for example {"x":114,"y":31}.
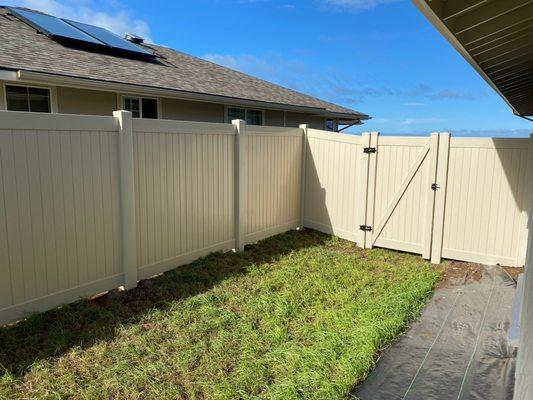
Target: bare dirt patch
{"x":458,"y":273}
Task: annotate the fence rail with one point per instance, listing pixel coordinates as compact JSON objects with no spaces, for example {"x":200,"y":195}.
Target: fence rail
{"x":88,"y":204}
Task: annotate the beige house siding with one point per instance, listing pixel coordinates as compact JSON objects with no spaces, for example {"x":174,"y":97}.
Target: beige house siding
{"x":192,"y":110}
{"x":296,"y":119}
{"x":68,"y":100}
{"x":274,"y":118}
{"x":87,"y":102}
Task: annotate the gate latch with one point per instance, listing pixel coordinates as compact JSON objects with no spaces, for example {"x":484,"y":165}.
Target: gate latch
{"x":368,"y":150}
{"x":365,"y":228}
{"x":435,"y":186}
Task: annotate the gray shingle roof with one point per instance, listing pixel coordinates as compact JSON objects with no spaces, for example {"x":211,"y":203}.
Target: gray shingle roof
{"x":22,"y":48}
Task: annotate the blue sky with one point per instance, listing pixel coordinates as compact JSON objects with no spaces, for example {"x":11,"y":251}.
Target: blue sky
{"x":380,"y":57}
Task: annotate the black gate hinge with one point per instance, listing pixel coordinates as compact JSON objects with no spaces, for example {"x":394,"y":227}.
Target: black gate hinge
{"x":365,"y":228}
{"x":435,"y":186}
{"x":368,"y":150}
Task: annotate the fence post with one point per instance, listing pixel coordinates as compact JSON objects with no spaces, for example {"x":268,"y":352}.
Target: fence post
{"x":432,"y":178}
{"x":440,"y":197}
{"x":240,"y":189}
{"x":371,"y":194}
{"x":127,"y":198}
{"x":362,"y":183}
{"x":304,"y":128}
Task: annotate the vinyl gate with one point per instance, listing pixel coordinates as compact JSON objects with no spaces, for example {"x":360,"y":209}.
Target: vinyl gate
{"x":437,"y":196}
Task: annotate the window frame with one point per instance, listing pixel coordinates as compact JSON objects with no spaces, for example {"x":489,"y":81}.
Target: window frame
{"x":140,"y":98}
{"x":262,"y":110}
{"x":51,"y":95}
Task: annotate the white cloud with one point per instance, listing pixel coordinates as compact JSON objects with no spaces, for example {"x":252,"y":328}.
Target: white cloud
{"x":287,"y":7}
{"x":224,"y":60}
{"x":271,"y":67}
{"x":421,"y":121}
{"x":415,"y":104}
{"x":107,"y":14}
{"x":333,"y":85}
{"x":357,"y":5}
{"x":492,"y":132}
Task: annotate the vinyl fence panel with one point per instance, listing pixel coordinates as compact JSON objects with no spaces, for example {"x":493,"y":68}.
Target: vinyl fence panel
{"x":334,"y":185}
{"x":184,"y":192}
{"x":59,"y":203}
{"x":272,"y":175}
{"x":484,"y":219}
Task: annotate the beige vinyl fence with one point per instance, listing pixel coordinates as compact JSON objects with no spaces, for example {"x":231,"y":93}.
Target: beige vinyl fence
{"x":334,"y":189}
{"x":88,"y":204}
{"x":458,"y":198}
{"x":272,"y":179}
{"x":59,"y":210}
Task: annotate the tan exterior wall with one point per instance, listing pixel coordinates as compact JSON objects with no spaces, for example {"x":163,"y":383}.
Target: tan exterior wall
{"x":296,"y":119}
{"x":67,"y":100}
{"x":85,"y":102}
{"x":274,"y":118}
{"x":524,"y":365}
{"x":192,"y":110}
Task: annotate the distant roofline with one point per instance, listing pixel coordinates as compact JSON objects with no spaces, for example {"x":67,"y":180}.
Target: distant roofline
{"x":110,"y":85}
{"x":163,"y":87}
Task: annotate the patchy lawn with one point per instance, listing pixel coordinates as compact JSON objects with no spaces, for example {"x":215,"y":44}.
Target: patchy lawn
{"x":297,"y":316}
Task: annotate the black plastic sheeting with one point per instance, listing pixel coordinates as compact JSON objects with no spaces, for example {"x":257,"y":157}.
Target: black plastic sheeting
{"x":457,"y":350}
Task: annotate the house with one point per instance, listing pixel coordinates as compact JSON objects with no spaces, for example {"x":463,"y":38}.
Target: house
{"x":53,"y":65}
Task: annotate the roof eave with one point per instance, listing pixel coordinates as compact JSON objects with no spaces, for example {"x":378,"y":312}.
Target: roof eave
{"x":348,"y":117}
{"x":443,"y":29}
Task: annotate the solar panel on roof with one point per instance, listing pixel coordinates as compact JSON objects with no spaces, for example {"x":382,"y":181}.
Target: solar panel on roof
{"x":82,"y":33}
{"x":53,"y":26}
{"x":108,"y":37}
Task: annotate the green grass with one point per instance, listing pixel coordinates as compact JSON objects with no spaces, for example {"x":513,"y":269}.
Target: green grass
{"x":297,"y":316}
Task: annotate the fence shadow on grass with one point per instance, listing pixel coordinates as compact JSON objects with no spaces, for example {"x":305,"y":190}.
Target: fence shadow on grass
{"x":53,"y":333}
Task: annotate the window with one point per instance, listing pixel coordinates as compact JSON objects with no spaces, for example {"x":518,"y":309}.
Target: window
{"x":252,"y":117}
{"x":330,"y":124}
{"x":141,"y":107}
{"x":236,"y":113}
{"x":22,"y":98}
